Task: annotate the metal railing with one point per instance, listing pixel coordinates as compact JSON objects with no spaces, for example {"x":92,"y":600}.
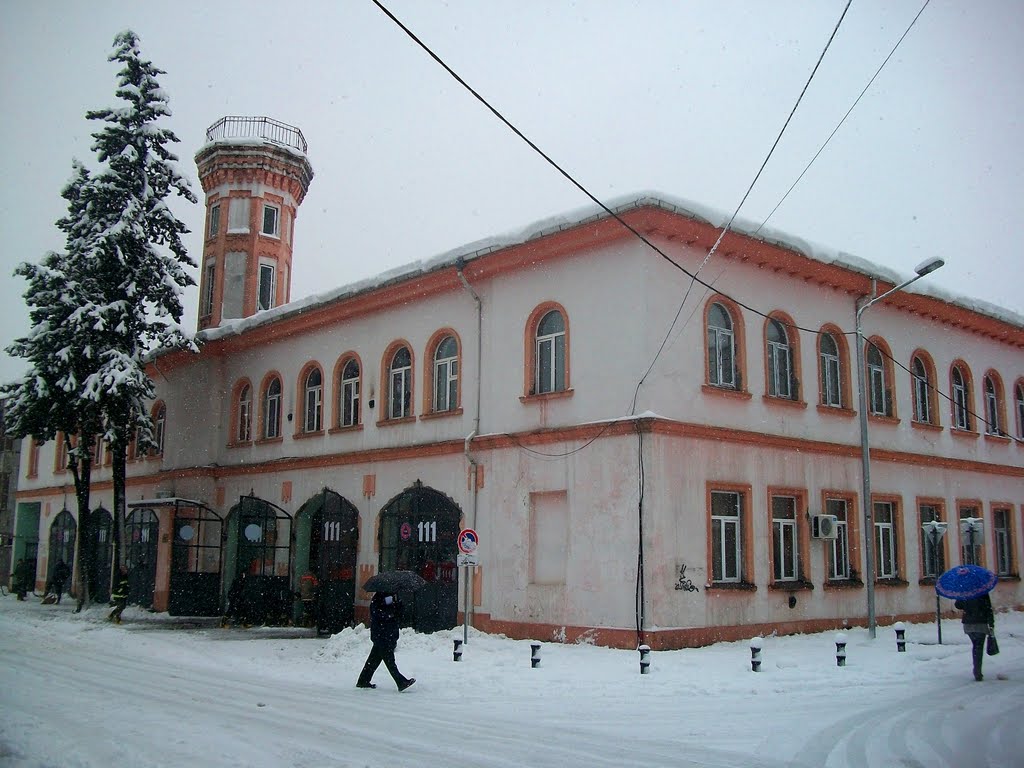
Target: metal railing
{"x":266,"y":128}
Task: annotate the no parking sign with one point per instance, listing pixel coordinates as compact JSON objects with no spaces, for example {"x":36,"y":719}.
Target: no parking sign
{"x":468,"y":543}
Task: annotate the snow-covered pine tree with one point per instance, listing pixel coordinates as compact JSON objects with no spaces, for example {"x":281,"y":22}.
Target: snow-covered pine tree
{"x":136,"y":253}
{"x":47,"y":402}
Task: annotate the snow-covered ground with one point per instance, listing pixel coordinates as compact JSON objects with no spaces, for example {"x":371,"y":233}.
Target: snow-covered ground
{"x":159,"y":692}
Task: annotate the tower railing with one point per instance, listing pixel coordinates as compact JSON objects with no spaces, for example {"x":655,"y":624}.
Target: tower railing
{"x":266,"y":128}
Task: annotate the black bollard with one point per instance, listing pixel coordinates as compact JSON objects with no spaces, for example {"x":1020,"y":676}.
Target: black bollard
{"x":645,"y":659}
{"x":840,"y":649}
{"x":901,"y":640}
{"x":534,"y":655}
{"x":755,"y":654}
{"x":457,"y":650}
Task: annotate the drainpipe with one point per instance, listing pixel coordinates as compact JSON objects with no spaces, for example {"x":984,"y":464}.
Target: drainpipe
{"x":460,"y":263}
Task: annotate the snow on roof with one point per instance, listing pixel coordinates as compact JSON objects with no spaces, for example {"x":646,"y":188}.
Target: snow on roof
{"x":252,"y":141}
{"x":587,"y":214}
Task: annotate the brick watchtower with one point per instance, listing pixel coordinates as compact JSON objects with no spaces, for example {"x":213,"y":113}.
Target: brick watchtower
{"x":255,"y":175}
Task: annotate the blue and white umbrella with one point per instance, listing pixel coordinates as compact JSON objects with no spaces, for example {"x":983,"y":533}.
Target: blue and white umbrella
{"x":962,"y":582}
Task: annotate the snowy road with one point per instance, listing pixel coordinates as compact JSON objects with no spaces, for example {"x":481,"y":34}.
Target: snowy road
{"x":78,"y":692}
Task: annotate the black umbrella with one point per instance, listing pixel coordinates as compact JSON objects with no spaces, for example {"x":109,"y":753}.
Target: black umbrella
{"x":394,"y":581}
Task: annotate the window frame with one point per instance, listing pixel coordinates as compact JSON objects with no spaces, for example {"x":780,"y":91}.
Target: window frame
{"x":737,"y":346}
{"x":884,"y":372}
{"x":312,"y":421}
{"x":851,"y":527}
{"x":1004,"y":546}
{"x":938,"y":506}
{"x":213,"y":221}
{"x":799,"y":529}
{"x":827,"y":361}
{"x":267,"y":412}
{"x":242,"y":412}
{"x":781,"y":385}
{"x":348,"y":392}
{"x":236,"y":203}
{"x":924,"y":399}
{"x":209,"y":285}
{"x":894,"y":527}
{"x":388,"y":371}
{"x":961,"y":396}
{"x":1018,"y":403}
{"x":275,"y":231}
{"x":531,"y":345}
{"x":549,"y":352}
{"x":980,"y":555}
{"x":158,"y":414}
{"x":271,"y":266}
{"x":744,"y":579}
{"x":448,"y":369}
{"x":995,"y":404}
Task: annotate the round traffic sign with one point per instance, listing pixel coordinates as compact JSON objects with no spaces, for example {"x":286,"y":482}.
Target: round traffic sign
{"x":468,"y":541}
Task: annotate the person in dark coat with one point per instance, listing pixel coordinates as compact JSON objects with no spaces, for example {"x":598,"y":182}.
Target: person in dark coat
{"x":22,"y":578}
{"x":385,"y":614}
{"x":119,"y":594}
{"x":61,"y":573}
{"x":979,"y":622}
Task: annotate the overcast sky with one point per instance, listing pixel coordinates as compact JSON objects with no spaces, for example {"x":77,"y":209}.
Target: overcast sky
{"x":681,"y":97}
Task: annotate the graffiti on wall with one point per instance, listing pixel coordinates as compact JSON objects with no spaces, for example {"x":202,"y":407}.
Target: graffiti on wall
{"x":684,"y":583}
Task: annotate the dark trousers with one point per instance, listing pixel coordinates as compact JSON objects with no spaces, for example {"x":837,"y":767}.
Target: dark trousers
{"x":119,"y":606}
{"x":58,"y":590}
{"x":378,"y":654}
{"x":977,"y":650}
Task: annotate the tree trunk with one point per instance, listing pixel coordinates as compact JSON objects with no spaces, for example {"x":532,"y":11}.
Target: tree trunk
{"x":119,"y":452}
{"x":80,"y":465}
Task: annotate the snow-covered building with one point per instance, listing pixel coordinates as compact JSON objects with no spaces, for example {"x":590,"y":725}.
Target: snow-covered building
{"x":637,"y":452}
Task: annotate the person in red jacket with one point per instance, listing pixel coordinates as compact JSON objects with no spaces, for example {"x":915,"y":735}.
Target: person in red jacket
{"x":385,"y":614}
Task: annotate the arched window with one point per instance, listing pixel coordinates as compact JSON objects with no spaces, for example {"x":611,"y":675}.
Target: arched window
{"x":400,"y":384}
{"x":924,"y":408}
{"x":780,"y":361}
{"x":721,"y":348}
{"x":446,"y":375}
{"x":961,"y":386}
{"x":243,"y":431}
{"x":159,"y":428}
{"x":549,"y":353}
{"x":993,"y":404}
{"x":880,"y":401}
{"x":1018,"y":400}
{"x":272,"y":409}
{"x":831,"y":371}
{"x":313,"y":399}
{"x":348,"y":405}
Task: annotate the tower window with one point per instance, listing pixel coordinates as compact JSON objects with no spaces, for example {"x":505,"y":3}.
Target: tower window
{"x":271,"y":220}
{"x":211,"y":275}
{"x":266,"y":286}
{"x":238,"y":215}
{"x":214,"y":220}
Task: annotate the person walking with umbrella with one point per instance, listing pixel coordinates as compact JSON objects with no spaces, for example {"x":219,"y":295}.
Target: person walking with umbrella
{"x":385,"y":615}
{"x":969,"y":585}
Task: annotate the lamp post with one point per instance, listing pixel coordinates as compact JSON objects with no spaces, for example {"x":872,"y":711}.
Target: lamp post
{"x":934,"y":530}
{"x":924,"y":268}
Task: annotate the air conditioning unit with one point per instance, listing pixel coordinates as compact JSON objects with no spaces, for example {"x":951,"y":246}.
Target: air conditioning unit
{"x":825,"y":526}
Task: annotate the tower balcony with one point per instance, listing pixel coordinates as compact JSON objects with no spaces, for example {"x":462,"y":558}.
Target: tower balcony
{"x":265,"y":128}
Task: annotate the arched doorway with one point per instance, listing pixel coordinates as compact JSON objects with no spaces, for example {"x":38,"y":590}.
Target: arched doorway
{"x":102,"y":538}
{"x":259,"y":544}
{"x":418,"y":532}
{"x":142,"y":535}
{"x":63,"y":532}
{"x":327,"y":543}
{"x":196,"y":550}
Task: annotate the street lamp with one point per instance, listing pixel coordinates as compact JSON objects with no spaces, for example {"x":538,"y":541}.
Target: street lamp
{"x":924,"y":268}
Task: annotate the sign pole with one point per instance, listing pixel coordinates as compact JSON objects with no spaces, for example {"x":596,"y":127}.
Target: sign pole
{"x":467,"y":558}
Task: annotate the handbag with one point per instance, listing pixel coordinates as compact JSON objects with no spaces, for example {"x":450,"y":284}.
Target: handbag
{"x":991,"y":645}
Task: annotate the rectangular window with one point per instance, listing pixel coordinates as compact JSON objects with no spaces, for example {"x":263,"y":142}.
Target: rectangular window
{"x":272,"y":422}
{"x":726,"y":536}
{"x":245,"y":416}
{"x":214,"y":227}
{"x":933,"y":556}
{"x":446,"y":382}
{"x":551,"y":363}
{"x":208,"y":285}
{"x":314,"y":408}
{"x":785,"y":541}
{"x":992,"y":412}
{"x":922,"y":401}
{"x":839,"y":552}
{"x":267,"y":287}
{"x":1004,"y":541}
{"x":971,"y":535}
{"x":401,"y":393}
{"x":885,"y":540}
{"x":238,"y":215}
{"x":778,"y":370}
{"x":720,"y":358}
{"x":271,"y":220}
{"x":33,"y":459}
